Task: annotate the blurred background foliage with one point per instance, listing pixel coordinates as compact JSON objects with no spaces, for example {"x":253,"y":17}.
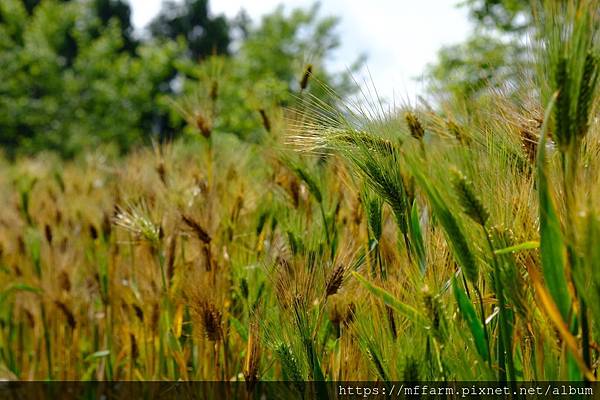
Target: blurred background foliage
{"x":75,"y":75}
{"x":494,"y":55}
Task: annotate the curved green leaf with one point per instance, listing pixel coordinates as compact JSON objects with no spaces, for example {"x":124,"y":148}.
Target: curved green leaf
{"x":409,"y":312}
{"x":468,"y":312}
{"x":551,"y":240}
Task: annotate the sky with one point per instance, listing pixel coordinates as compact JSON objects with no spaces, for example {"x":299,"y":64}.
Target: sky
{"x":399,"y":37}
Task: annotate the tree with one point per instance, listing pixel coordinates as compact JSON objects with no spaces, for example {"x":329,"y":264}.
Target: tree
{"x":205,"y":35}
{"x":492,"y":56}
{"x":508,"y":16}
{"x":74,"y":78}
{"x":30,"y":5}
{"x":465,"y":70}
{"x":105,"y":10}
{"x":119,"y":10}
{"x":51,"y":98}
{"x":266,"y":71}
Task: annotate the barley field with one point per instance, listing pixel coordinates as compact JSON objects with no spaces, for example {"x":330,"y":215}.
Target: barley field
{"x":456,"y":241}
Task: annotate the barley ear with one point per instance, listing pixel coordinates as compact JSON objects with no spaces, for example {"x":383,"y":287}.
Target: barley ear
{"x":470,"y":203}
{"x":414,"y":125}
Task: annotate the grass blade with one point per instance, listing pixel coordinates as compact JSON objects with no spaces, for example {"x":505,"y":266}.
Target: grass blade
{"x":454,"y":233}
{"x":531,"y":245}
{"x":416,"y":236}
{"x":551,"y":239}
{"x":470,"y":315}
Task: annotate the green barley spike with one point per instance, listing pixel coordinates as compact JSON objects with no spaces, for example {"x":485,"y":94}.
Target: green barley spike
{"x":562,"y":111}
{"x":471,"y":204}
{"x":414,"y":125}
{"x":289,"y":364}
{"x":586,"y":91}
{"x":411,"y":370}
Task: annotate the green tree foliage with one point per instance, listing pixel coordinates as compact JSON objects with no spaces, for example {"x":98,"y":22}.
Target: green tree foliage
{"x":504,"y":15}
{"x":108,"y":10}
{"x":464,"y":70}
{"x":30,"y":5}
{"x":191,"y":20}
{"x":74,"y":76}
{"x":105,"y":10}
{"x":267,"y":70}
{"x":492,"y":56}
{"x":67,"y":83}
